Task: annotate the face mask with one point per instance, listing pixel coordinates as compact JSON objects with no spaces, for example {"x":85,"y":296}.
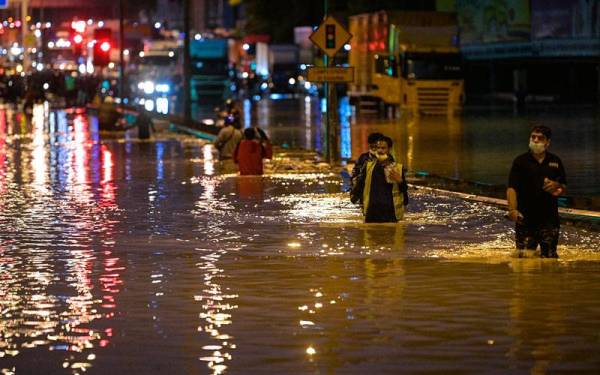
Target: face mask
{"x":382,"y":157}
{"x":537,"y":148}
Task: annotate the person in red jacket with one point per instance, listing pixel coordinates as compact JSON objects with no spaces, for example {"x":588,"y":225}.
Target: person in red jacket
{"x":249,"y":154}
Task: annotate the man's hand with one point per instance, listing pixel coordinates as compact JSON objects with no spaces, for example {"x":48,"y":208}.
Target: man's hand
{"x":514,"y":215}
{"x":395,"y":175}
{"x":552,"y":187}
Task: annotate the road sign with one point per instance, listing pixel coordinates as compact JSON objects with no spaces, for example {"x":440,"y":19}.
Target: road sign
{"x":330,"y":36}
{"x":3,"y":4}
{"x":333,"y":74}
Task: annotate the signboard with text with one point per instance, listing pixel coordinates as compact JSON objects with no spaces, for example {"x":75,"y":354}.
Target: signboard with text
{"x":333,"y":74}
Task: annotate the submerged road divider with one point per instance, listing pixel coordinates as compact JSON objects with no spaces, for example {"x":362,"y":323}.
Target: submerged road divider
{"x":176,"y":123}
{"x":587,"y":218}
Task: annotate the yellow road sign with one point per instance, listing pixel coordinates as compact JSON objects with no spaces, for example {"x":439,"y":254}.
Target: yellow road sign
{"x":333,"y":74}
{"x":330,"y":36}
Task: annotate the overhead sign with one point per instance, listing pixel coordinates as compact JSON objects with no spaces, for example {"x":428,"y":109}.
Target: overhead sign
{"x":330,"y":36}
{"x":334,"y":74}
{"x":3,"y":4}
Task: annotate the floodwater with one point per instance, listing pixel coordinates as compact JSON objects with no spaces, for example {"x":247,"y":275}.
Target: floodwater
{"x":120,"y":256}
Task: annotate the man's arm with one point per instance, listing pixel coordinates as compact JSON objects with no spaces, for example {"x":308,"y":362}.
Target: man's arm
{"x":357,"y":166}
{"x":221,"y":138}
{"x":514,"y":178}
{"x":559,"y":186}
{"x":513,"y":212}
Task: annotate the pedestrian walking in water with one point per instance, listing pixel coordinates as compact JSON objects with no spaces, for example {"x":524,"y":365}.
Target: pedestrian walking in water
{"x":144,"y":124}
{"x":380,"y":185}
{"x":536,"y":179}
{"x":249,"y":154}
{"x":228,"y":138}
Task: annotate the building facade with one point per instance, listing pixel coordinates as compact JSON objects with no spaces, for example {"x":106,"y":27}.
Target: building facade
{"x":531,"y":50}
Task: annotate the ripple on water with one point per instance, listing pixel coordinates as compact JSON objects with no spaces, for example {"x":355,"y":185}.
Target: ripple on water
{"x":129,"y":257}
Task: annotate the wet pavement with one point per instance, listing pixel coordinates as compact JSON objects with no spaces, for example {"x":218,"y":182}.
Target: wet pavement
{"x":128,"y":256}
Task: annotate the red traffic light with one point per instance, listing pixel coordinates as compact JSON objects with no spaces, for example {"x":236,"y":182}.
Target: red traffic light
{"x":102,"y":46}
{"x":105,"y":46}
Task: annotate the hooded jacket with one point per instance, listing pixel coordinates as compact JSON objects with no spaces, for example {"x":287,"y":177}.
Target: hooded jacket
{"x":249,"y":155}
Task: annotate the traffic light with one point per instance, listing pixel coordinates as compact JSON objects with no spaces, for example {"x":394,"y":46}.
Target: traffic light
{"x":102,"y":46}
{"x":329,"y":36}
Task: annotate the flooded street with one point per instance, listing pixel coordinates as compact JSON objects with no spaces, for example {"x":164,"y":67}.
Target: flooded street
{"x":125,"y":256}
{"x":479,"y":146}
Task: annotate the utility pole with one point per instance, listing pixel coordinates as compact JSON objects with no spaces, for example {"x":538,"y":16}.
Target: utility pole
{"x":327,"y":151}
{"x":24,"y":32}
{"x":122,"y":55}
{"x":187,"y":99}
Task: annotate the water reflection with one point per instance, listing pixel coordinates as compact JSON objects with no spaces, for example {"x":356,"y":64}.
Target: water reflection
{"x":47,"y":287}
{"x":217,"y":304}
{"x":540,"y":310}
{"x":117,"y":253}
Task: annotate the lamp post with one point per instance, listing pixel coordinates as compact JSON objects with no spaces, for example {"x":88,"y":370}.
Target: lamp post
{"x":327,"y":150}
{"x":24,"y":32}
{"x":121,"y":56}
{"x":187,"y":105}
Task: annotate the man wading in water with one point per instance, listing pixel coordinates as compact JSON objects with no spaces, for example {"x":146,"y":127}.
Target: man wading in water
{"x":536,"y":180}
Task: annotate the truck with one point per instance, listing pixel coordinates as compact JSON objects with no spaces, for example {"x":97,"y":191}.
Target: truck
{"x":278,"y":67}
{"x":407,"y":61}
{"x":212,"y":77}
{"x":155,"y":76}
{"x":283,"y":68}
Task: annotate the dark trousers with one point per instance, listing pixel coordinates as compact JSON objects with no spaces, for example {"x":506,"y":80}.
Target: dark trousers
{"x":528,"y":236}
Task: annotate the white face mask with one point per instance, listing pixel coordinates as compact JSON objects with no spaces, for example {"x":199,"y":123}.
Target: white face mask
{"x":382,"y":157}
{"x":537,"y":148}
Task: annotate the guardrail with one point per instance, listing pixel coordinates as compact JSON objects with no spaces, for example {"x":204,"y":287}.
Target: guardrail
{"x":582,"y":215}
{"x":176,"y":123}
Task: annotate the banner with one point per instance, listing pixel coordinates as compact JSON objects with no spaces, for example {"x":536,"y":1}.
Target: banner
{"x":489,"y":21}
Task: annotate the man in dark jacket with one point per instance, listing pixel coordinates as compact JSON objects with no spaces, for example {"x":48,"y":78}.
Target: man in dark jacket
{"x":144,"y":124}
{"x":380,"y":186}
{"x":536,"y":179}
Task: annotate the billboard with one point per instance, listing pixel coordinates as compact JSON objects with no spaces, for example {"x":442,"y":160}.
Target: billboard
{"x":489,"y":21}
{"x":565,"y":18}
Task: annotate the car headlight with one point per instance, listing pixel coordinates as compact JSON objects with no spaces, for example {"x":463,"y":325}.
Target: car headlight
{"x":162,"y":88}
{"x":148,"y":87}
